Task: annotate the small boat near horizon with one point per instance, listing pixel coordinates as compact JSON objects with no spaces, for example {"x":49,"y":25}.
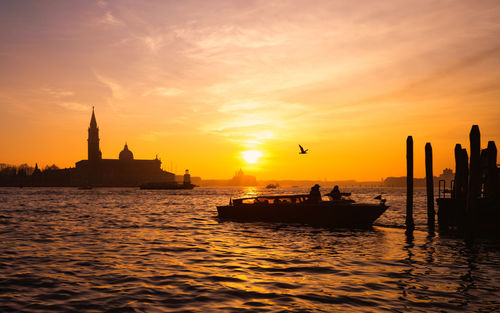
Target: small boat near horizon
{"x":300,"y":209}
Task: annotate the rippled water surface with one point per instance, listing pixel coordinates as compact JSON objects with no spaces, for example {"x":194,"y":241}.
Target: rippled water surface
{"x":130,"y":250}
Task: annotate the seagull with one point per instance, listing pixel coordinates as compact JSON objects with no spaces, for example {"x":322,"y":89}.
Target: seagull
{"x":302,"y":151}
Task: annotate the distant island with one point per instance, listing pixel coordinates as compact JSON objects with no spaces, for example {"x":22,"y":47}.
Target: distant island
{"x":95,"y":171}
{"x":24,"y":175}
{"x":241,"y":179}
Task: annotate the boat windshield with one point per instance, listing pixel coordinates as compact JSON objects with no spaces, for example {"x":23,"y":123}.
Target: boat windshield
{"x":274,"y":200}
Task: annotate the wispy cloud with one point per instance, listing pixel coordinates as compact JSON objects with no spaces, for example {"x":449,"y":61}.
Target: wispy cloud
{"x":74,"y":106}
{"x":422,"y":87}
{"x":58,"y":93}
{"x":110,"y":19}
{"x":116,"y":90}
{"x":102,"y":4}
{"x":154,"y":43}
{"x":165,"y":92}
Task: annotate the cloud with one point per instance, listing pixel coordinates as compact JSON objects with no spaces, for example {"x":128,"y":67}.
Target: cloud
{"x":154,"y":43}
{"x":102,"y":4}
{"x":116,"y":90}
{"x":74,"y":106}
{"x":110,"y":19}
{"x":422,"y":87}
{"x":226,"y":36}
{"x":58,"y":93}
{"x":166,"y":92}
{"x":240,"y":106}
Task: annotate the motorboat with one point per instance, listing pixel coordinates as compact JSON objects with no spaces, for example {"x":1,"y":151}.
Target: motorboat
{"x":343,"y":212}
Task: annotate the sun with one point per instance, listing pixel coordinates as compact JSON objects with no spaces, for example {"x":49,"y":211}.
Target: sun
{"x":251,"y":156}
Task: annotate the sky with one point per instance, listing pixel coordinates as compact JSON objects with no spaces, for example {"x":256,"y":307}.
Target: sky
{"x":201,"y":83}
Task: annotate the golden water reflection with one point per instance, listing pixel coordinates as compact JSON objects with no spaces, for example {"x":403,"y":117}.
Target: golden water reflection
{"x":167,"y":251}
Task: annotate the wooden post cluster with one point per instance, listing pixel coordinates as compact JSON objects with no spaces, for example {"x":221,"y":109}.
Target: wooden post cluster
{"x":410,"y":225}
{"x":429,"y":179}
{"x":475,"y":200}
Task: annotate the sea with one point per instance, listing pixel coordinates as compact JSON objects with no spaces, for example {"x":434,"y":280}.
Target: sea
{"x":132,"y":250}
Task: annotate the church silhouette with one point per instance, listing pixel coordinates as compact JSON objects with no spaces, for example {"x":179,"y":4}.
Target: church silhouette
{"x":122,"y":172}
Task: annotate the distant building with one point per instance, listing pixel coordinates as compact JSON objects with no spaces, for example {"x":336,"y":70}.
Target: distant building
{"x":240,"y":179}
{"x":187,"y":178}
{"x":447,"y":176}
{"x":401,"y":182}
{"x":121,"y":172}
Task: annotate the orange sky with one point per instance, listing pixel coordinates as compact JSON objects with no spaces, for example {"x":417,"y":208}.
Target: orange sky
{"x":199,"y":82}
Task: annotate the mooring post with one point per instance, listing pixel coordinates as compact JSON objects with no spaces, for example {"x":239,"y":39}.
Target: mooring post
{"x":465,"y":174}
{"x":461,"y":172}
{"x":410,"y":225}
{"x":429,"y":179}
{"x":459,"y":184}
{"x":490,"y":186}
{"x":474,"y":190}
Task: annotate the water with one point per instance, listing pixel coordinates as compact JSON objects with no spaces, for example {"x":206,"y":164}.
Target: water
{"x":130,"y":250}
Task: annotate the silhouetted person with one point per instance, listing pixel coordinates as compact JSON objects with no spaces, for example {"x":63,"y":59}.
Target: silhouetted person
{"x":314,"y":194}
{"x":335,"y":193}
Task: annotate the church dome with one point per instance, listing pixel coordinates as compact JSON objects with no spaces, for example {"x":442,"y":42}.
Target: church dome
{"x":126,"y":154}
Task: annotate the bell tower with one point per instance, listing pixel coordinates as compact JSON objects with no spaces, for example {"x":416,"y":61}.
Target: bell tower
{"x":93,"y":140}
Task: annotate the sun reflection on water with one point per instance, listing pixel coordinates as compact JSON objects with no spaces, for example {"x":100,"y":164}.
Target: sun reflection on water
{"x":250,"y":192}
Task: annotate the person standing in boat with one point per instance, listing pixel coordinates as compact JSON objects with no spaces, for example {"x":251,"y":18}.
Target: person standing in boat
{"x":314,"y":194}
{"x":335,"y":193}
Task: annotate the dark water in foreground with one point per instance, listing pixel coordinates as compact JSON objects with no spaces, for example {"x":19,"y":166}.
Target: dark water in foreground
{"x":129,"y":250}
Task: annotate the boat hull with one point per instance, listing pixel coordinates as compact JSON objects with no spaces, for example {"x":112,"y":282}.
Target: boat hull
{"x":327,"y":213}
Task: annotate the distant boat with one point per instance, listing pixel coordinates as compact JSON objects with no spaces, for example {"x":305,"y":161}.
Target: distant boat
{"x":166,"y":185}
{"x":272,"y":186}
{"x":300,"y":209}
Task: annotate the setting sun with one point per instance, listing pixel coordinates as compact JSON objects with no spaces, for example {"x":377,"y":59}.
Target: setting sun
{"x":251,"y":156}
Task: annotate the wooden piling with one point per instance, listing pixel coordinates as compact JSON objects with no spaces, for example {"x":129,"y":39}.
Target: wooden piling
{"x":491,"y":182}
{"x":465,"y":178}
{"x":459,"y":172}
{"x":429,"y":179}
{"x":474,"y":190}
{"x":410,"y":225}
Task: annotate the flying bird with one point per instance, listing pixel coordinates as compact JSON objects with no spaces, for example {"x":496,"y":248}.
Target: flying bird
{"x":302,"y":151}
